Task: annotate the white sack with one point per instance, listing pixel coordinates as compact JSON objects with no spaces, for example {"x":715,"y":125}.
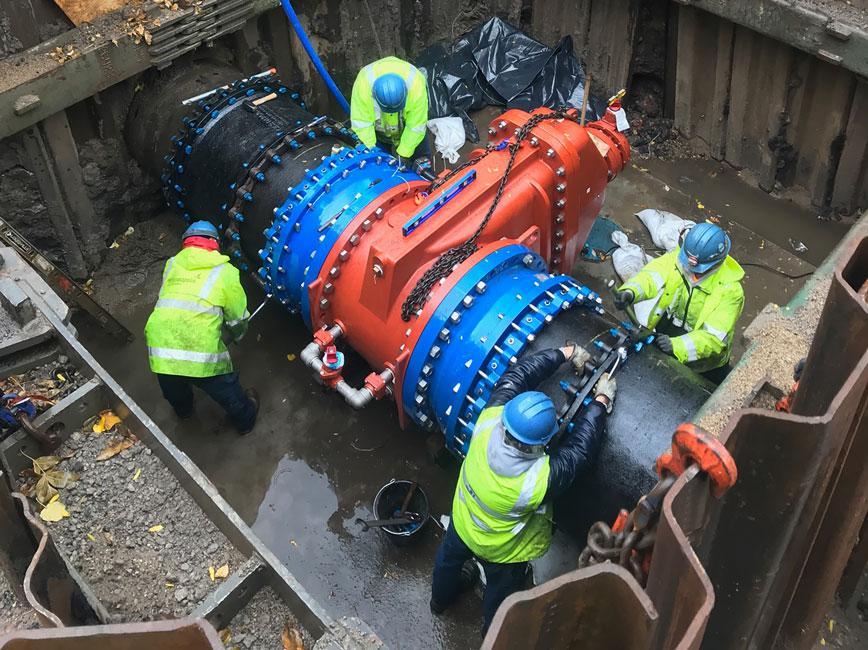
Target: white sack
{"x":665,"y":227}
{"x":448,"y":136}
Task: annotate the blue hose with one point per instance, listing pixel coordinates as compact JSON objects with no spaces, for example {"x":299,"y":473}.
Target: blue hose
{"x":317,"y":62}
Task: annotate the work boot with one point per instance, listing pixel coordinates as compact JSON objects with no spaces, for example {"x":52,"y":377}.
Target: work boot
{"x":253,"y":396}
{"x":468,"y":577}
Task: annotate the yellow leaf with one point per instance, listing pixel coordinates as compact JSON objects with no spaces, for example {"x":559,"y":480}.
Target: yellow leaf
{"x":222,"y":572}
{"x":290,"y":357}
{"x":91,"y":537}
{"x":156,"y":528}
{"x":831,"y":625}
{"x":45,"y":491}
{"x":822,"y":641}
{"x":700,"y":205}
{"x":170,"y":585}
{"x":60,"y":479}
{"x":211,"y":573}
{"x":225,"y":636}
{"x":137,"y":474}
{"x":107,"y":421}
{"x":44,"y":463}
{"x":291,"y":638}
{"x":54,"y":498}
{"x":54,"y":511}
{"x":116,"y":446}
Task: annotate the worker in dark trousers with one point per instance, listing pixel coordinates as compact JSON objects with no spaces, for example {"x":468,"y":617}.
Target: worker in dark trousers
{"x":501,"y":512}
{"x":200,"y":303}
{"x":698,"y":300}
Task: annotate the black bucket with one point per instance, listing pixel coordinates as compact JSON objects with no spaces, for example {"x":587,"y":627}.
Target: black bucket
{"x":388,"y":503}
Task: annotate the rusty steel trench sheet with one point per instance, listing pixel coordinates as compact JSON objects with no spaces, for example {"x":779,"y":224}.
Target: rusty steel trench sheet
{"x":759,"y":567}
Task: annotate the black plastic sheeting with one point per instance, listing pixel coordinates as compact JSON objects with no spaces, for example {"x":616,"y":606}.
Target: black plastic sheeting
{"x":496,"y":64}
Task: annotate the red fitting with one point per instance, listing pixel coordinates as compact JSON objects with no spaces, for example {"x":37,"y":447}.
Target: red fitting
{"x":377,"y":385}
{"x":323,"y":338}
{"x":692,"y":445}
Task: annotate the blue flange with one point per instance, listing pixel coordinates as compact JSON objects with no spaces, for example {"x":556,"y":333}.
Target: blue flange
{"x":477,"y":331}
{"x":315,"y":213}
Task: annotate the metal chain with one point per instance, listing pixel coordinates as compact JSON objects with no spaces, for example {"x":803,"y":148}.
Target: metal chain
{"x":635,"y":537}
{"x":446,"y":263}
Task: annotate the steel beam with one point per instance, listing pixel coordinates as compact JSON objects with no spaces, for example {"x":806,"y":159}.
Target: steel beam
{"x":797,"y":24}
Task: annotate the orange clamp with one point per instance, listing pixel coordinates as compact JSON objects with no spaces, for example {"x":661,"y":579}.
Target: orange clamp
{"x":692,"y":445}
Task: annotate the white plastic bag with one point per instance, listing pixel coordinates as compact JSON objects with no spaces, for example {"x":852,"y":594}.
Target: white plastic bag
{"x":448,"y":136}
{"x":665,"y":227}
{"x":628,"y":258}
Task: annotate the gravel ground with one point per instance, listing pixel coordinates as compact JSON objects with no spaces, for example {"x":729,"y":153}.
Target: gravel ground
{"x":138,"y":575}
{"x":54,"y":380}
{"x":260,"y":623}
{"x":14,"y":614}
{"x":779,"y":339}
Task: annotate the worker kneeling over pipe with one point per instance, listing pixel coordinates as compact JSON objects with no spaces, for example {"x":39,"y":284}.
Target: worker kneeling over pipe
{"x":501,"y":512}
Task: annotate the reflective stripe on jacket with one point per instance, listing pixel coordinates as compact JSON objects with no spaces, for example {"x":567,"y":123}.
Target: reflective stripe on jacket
{"x":405,"y":129}
{"x":201,"y":293}
{"x":713,"y":306}
{"x":498,"y":506}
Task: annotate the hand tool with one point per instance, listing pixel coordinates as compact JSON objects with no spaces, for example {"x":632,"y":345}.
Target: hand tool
{"x":408,"y":518}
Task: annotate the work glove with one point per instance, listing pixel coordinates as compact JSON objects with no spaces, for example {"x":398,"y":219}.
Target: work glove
{"x":607,"y":386}
{"x":424,"y":167}
{"x":579,"y":357}
{"x":624,"y":299}
{"x":664,"y":343}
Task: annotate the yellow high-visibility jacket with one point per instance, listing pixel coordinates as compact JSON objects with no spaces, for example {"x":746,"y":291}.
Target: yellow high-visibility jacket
{"x":405,"y":129}
{"x":501,"y":517}
{"x":201,"y":293}
{"x":712,"y":307}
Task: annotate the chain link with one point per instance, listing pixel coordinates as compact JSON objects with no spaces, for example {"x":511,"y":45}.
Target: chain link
{"x":449,"y":260}
{"x":630,"y":545}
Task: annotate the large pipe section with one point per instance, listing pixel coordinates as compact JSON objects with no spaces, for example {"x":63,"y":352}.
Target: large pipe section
{"x":341,"y":234}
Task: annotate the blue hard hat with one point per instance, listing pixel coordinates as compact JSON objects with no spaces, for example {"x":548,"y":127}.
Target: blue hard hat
{"x":390,"y":92}
{"x":201,"y":229}
{"x":705,"y":246}
{"x":530,"y":418}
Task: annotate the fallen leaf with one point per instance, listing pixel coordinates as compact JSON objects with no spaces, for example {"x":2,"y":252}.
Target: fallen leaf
{"x":45,"y":491}
{"x":106,"y":422}
{"x":291,"y":638}
{"x":211,"y":573}
{"x":156,"y":528}
{"x":700,"y":205}
{"x":60,"y":479}
{"x":222,"y":572}
{"x":290,"y":357}
{"x":108,"y":538}
{"x":137,"y":474}
{"x":831,"y":625}
{"x":116,"y":446}
{"x":91,"y":537}
{"x":170,"y":585}
{"x":114,"y":244}
{"x":822,"y":641}
{"x":44,"y":463}
{"x":54,"y":511}
{"x":293,"y":542}
{"x":225,"y":636}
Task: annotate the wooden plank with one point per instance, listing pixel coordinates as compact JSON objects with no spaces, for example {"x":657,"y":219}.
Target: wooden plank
{"x":84,"y":11}
{"x":760,"y":72}
{"x":553,"y":19}
{"x":64,"y":154}
{"x":851,"y":177}
{"x":609,"y":48}
{"x":702,"y":79}
{"x":819,"y":110}
{"x":39,"y":162}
